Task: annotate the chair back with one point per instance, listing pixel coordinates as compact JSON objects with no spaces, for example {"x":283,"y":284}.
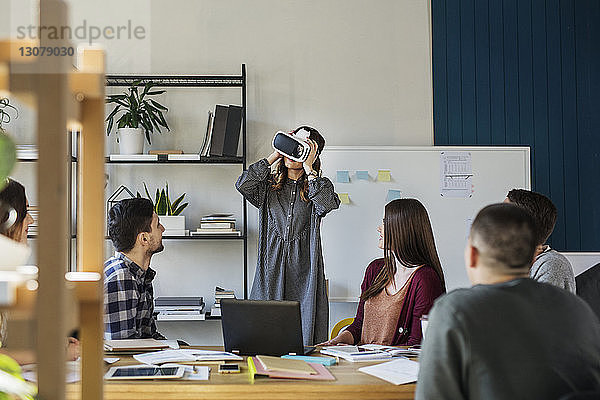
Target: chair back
{"x":337,"y":328}
{"x":588,"y":287}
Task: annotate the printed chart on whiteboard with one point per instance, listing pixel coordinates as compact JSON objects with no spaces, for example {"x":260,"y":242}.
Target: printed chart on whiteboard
{"x":456,"y":171}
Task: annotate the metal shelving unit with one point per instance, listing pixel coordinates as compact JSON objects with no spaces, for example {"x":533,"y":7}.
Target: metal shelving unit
{"x":198,"y":81}
{"x":72,"y":180}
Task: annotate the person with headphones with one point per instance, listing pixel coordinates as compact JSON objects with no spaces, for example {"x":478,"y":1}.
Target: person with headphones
{"x":291,"y":202}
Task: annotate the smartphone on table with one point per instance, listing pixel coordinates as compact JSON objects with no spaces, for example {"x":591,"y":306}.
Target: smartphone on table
{"x":229,"y":368}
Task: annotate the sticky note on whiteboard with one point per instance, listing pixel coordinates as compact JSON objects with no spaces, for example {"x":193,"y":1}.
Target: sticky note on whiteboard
{"x":343,"y":177}
{"x":384,"y":175}
{"x":344,"y":198}
{"x":393,"y":194}
{"x":362,"y":175}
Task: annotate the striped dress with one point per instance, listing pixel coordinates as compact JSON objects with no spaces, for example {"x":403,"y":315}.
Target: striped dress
{"x":290,"y":260}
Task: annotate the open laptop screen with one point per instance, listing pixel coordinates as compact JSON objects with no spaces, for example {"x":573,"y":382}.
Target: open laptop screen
{"x":253,"y":327}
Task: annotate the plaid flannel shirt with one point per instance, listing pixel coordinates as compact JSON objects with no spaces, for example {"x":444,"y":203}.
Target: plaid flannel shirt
{"x":128,"y":300}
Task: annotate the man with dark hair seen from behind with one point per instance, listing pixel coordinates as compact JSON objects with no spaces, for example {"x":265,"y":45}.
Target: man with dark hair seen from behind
{"x":508,"y":337}
{"x":136,"y":233}
{"x":549,"y":265}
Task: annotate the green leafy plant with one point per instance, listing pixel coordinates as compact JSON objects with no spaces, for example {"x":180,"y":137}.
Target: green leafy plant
{"x":8,"y":155}
{"x":5,"y":116}
{"x":162,"y":201}
{"x":134,"y":110}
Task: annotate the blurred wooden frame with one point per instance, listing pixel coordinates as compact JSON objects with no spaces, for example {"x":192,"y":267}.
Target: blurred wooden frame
{"x":74,"y":100}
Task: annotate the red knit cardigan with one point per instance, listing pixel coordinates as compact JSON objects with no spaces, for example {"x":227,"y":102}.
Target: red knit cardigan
{"x":424,"y":288}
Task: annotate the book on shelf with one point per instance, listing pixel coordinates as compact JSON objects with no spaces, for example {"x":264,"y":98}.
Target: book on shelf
{"x":176,"y":232}
{"x":205,"y":149}
{"x":217,"y":225}
{"x":27,"y":151}
{"x":215,"y":230}
{"x":215,"y":312}
{"x":182,"y":311}
{"x":217,"y":140}
{"x":179,"y":301}
{"x":232,"y":130}
{"x":183,"y":157}
{"x":219,"y":296}
{"x":133,"y":157}
{"x":204,"y":233}
{"x":218,"y":217}
{"x":220,"y":290}
{"x":181,"y":317}
{"x":161,"y":152}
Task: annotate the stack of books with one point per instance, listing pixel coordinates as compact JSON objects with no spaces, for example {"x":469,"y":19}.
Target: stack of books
{"x":356,"y":353}
{"x":217,"y":224}
{"x":220,"y":294}
{"x":35,"y":214}
{"x":27,"y":152}
{"x":179,"y":308}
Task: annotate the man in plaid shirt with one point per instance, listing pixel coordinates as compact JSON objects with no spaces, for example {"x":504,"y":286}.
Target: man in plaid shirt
{"x":136,"y":233}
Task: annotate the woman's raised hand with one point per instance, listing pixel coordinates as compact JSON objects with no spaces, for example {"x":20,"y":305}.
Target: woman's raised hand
{"x":275,"y":155}
{"x":311,"y":156}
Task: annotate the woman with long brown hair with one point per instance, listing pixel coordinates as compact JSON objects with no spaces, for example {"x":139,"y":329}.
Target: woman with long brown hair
{"x":291,"y":203}
{"x":399,"y":288}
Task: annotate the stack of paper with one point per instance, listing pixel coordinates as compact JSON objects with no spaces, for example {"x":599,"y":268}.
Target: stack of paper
{"x":398,"y":372}
{"x":393,"y":351}
{"x":355,"y":353}
{"x":134,"y":345}
{"x":185,"y":356}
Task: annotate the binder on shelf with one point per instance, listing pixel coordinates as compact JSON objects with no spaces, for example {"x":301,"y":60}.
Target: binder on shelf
{"x":218,"y":132}
{"x":232,"y":130}
{"x":205,"y":149}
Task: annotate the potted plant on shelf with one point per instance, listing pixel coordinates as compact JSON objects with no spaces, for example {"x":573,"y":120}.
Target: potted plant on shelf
{"x":168,"y":211}
{"x":137,"y":115}
{"x":8,"y":154}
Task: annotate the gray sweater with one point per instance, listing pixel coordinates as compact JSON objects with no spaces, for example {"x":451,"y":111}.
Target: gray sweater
{"x":514,"y":340}
{"x":553,"y":268}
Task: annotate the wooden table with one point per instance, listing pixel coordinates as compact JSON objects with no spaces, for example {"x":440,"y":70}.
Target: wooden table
{"x":349,"y":384}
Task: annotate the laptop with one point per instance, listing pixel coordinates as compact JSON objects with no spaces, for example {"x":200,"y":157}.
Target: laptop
{"x":252,"y":327}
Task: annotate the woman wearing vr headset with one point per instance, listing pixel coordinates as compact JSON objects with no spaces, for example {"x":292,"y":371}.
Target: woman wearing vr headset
{"x":399,"y":288}
{"x":291,"y":203}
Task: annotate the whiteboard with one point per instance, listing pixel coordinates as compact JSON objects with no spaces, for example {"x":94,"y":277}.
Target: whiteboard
{"x":349,"y":234}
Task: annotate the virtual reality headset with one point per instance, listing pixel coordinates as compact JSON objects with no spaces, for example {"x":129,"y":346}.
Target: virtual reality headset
{"x":291,"y":146}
